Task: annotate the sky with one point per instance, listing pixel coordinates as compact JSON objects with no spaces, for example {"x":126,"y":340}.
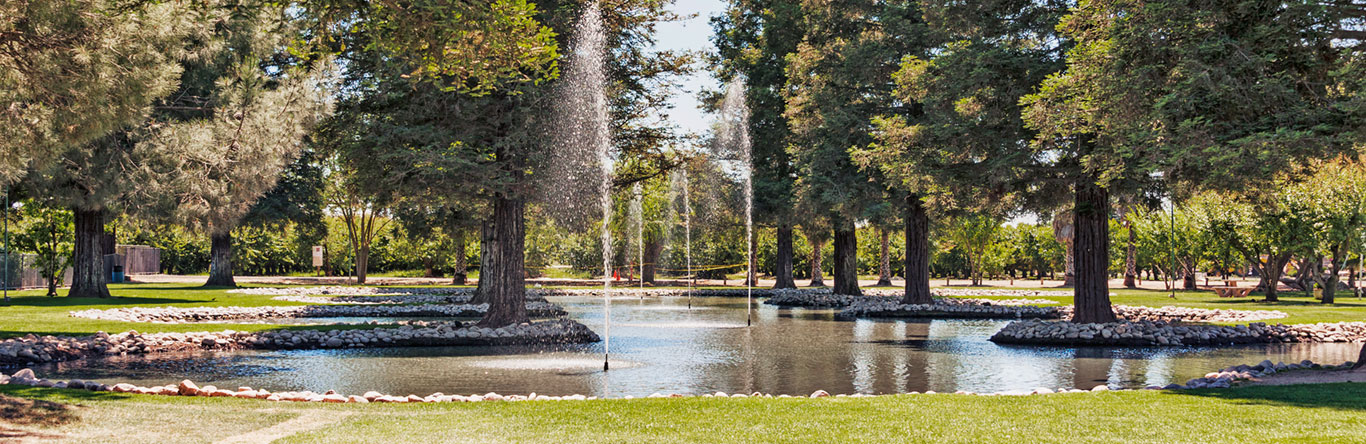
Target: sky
{"x":693,"y":34}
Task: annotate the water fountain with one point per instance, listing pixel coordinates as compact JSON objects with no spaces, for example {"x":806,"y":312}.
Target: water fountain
{"x":638,"y":217}
{"x":687,"y":232}
{"x":581,"y":163}
{"x":735,"y":144}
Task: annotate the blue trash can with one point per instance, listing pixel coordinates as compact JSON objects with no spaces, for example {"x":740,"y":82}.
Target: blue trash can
{"x":117,"y":276}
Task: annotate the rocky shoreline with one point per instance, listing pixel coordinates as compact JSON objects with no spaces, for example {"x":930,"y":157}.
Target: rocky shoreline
{"x":32,"y":349}
{"x":824,"y":298}
{"x":1025,"y":309}
{"x":1162,"y":333}
{"x":950,"y":308}
{"x":178,"y":315}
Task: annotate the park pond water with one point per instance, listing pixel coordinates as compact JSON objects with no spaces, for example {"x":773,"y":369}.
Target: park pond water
{"x":659,"y":345}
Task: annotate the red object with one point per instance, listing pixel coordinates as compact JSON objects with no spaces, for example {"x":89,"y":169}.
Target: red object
{"x":615,"y":275}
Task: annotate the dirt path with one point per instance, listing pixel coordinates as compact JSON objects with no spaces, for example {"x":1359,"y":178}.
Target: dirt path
{"x":307,"y":421}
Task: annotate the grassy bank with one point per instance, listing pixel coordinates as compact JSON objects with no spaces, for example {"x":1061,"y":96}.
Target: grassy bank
{"x":31,"y":312}
{"x":1318,"y":413}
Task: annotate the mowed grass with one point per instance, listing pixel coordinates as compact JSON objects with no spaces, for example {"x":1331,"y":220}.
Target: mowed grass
{"x":1324,"y":413}
{"x":32,"y":312}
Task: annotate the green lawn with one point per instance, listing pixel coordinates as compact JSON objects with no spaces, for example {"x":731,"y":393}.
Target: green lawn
{"x":1309,"y":413}
{"x":31,"y":312}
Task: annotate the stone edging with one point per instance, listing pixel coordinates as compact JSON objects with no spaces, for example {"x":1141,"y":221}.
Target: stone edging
{"x":1244,"y":373}
{"x":32,"y":349}
{"x":1015,"y":309}
{"x":1165,"y":333}
{"x":177,"y":315}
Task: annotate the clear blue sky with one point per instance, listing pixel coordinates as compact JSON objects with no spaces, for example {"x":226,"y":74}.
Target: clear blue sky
{"x":692,"y":34}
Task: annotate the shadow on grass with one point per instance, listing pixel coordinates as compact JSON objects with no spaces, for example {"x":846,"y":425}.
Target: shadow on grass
{"x":1342,"y":396}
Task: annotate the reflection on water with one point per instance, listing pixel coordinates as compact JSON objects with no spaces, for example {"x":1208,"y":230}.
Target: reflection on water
{"x":658,"y":347}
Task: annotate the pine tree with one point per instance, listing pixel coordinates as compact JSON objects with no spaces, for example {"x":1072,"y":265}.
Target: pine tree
{"x":839,"y":79}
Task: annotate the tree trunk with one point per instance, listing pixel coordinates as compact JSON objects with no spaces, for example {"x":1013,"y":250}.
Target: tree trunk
{"x":459,"y":274}
{"x":88,"y":279}
{"x":1305,"y":277}
{"x":1092,"y":254}
{"x":486,"y":245}
{"x":504,"y":268}
{"x":652,"y":250}
{"x":917,"y":252}
{"x":783,"y":267}
{"x":1361,"y":359}
{"x":1131,"y":260}
{"x":1330,"y":282}
{"x":817,"y":280}
{"x":846,"y":259}
{"x":1189,"y":282}
{"x":1271,"y":275}
{"x":884,"y":266}
{"x":362,"y":263}
{"x":220,"y":261}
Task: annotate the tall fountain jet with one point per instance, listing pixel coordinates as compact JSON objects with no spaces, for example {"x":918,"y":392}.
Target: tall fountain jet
{"x":638,"y":218}
{"x":581,"y":162}
{"x":735,"y":144}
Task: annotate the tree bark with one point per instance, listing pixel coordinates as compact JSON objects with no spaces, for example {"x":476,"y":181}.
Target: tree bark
{"x":817,"y":280}
{"x":917,"y":252}
{"x":88,"y":279}
{"x":1188,"y":283}
{"x":362,"y":263}
{"x":1361,"y":359}
{"x":846,"y":259}
{"x":884,"y":266}
{"x":486,"y":245}
{"x":652,"y":250}
{"x":1330,"y":282}
{"x":459,"y":274}
{"x":220,"y":261}
{"x":503,"y":276}
{"x":782,"y":271}
{"x":1091,"y":253}
{"x":1131,"y":260}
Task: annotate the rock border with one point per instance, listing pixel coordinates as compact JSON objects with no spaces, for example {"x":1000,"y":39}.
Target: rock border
{"x":32,"y":349}
{"x":1161,"y":333}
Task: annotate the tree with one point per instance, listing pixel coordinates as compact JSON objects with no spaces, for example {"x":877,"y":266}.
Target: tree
{"x":94,"y":69}
{"x":954,"y":149}
{"x":73,"y":72}
{"x":839,"y":78}
{"x":752,"y":39}
{"x":224,"y":139}
{"x":1267,"y":234}
{"x":48,"y":236}
{"x":1335,"y":209}
{"x":980,"y":237}
{"x":1219,"y":95}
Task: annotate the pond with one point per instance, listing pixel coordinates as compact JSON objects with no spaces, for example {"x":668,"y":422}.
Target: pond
{"x":659,"y":345}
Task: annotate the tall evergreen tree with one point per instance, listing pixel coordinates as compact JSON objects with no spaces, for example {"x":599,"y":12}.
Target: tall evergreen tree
{"x":839,"y":79}
{"x":73,"y":72}
{"x":1192,"y":95}
{"x":955,"y":149}
{"x":221,"y":142}
{"x":753,"y":39}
